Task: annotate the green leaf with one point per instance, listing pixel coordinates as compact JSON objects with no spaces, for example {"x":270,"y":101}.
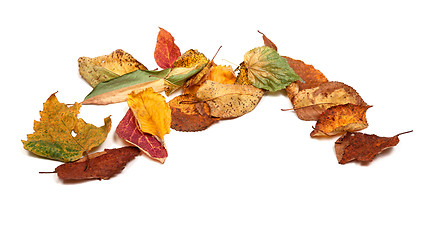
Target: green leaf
{"x":178,"y":76}
{"x":268,"y":70}
{"x":116,"y":90}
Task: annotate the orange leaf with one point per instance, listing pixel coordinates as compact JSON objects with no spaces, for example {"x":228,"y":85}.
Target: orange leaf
{"x":166,"y":51}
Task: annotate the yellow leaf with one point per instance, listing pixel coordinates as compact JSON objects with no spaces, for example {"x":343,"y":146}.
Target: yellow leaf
{"x":222,"y":74}
{"x":152,"y":113}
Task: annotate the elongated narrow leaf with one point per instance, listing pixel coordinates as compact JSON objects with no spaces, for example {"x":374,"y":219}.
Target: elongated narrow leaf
{"x":117,"y":89}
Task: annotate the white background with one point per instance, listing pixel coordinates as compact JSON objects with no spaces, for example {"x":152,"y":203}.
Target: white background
{"x":260,"y":176}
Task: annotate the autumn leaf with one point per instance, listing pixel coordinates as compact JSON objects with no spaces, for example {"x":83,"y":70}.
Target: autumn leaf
{"x":166,"y":51}
{"x":242,"y":77}
{"x":310,"y":103}
{"x":102,"y":68}
{"x":229,"y":100}
{"x":60,"y":135}
{"x":309,"y":74}
{"x":190,"y":58}
{"x":222,"y":74}
{"x":117,"y":89}
{"x":100,"y":166}
{"x":355,"y":146}
{"x":128,"y":130}
{"x":152,"y":113}
{"x":340,"y":119}
{"x":190,"y":115}
{"x":268,"y":42}
{"x":266,"y":69}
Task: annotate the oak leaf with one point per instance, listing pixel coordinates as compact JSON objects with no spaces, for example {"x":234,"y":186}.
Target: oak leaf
{"x":152,"y":113}
{"x":340,"y":119}
{"x":355,"y":146}
{"x":310,"y":103}
{"x":229,"y":100}
{"x":266,"y":69}
{"x":60,"y":135}
{"x":100,"y":166}
{"x":102,"y":68}
{"x":128,"y":131}
{"x":166,"y":51}
{"x":190,"y":115}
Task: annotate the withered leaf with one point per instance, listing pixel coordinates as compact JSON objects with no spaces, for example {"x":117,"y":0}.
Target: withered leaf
{"x":102,"y":68}
{"x":150,"y":145}
{"x":311,"y":77}
{"x":101,"y":166}
{"x":166,"y":51}
{"x":268,"y":42}
{"x":189,"y":115}
{"x":229,"y":100}
{"x":355,"y":146}
{"x":310,"y":103}
{"x":340,"y":119}
{"x":242,"y":77}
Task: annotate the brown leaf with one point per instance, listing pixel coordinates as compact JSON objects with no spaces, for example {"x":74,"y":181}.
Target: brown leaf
{"x":102,"y":166}
{"x":310,"y":103}
{"x":340,"y":119}
{"x":362,"y":147}
{"x":268,"y":42}
{"x":311,"y":77}
{"x":189,"y":115}
{"x":149,"y":144}
{"x":166,"y":51}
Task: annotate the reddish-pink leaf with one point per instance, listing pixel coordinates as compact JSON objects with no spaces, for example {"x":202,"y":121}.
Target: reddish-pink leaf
{"x":128,"y":131}
{"x":166,"y":51}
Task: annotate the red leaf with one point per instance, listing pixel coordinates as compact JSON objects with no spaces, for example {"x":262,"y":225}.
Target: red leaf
{"x":128,"y":131}
{"x":166,"y":51}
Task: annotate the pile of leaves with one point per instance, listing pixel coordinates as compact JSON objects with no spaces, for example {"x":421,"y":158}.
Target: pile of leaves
{"x":209,"y":94}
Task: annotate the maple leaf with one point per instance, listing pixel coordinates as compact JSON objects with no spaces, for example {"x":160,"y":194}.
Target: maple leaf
{"x":189,"y":115}
{"x":102,"y":68}
{"x":128,"y":130}
{"x":151,"y":111}
{"x":340,"y":119}
{"x":100,"y":166}
{"x":266,"y":69}
{"x":229,"y":100}
{"x":166,"y":51}
{"x":310,"y":103}
{"x":355,"y":146}
{"x":53,"y":134}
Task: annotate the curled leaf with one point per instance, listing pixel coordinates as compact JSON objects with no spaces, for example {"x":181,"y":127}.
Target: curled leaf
{"x":268,"y":70}
{"x":242,"y":77}
{"x":60,"y":135}
{"x":340,"y":119}
{"x":166,"y":51}
{"x":152,"y":113}
{"x":102,"y":68}
{"x":268,"y":42}
{"x":128,"y":131}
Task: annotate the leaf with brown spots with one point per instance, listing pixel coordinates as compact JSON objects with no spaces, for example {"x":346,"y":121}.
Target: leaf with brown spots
{"x":310,"y":103}
{"x":99,"y":166}
{"x":166,"y":51}
{"x":150,"y":145}
{"x":190,"y":115}
{"x":340,"y":119}
{"x":362,"y":147}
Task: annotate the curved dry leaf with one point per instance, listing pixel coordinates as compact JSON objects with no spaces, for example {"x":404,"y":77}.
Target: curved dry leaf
{"x":222,"y":74}
{"x":242,"y":77}
{"x":229,"y":100}
{"x":102,"y":68}
{"x":310,"y":103}
{"x":340,"y":119}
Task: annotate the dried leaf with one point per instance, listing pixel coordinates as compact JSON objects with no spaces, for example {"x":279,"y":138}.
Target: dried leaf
{"x":152,"y":113}
{"x":102,"y":68}
{"x":149,"y":144}
{"x":100,"y":166}
{"x":268,"y":42}
{"x":242,"y":77}
{"x":355,"y":146}
{"x":166,"y":51}
{"x":340,"y":119}
{"x":222,"y":74}
{"x":53,"y":135}
{"x":190,"y":58}
{"x":117,"y":89}
{"x":229,"y":100}
{"x":268,"y":70}
{"x":311,"y":77}
{"x":186,"y":114}
{"x":179,"y":75}
{"x":310,"y":103}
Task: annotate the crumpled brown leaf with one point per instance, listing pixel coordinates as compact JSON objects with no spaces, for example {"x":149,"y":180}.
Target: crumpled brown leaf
{"x":340,"y":119}
{"x":356,"y":146}
{"x":98,"y":166}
